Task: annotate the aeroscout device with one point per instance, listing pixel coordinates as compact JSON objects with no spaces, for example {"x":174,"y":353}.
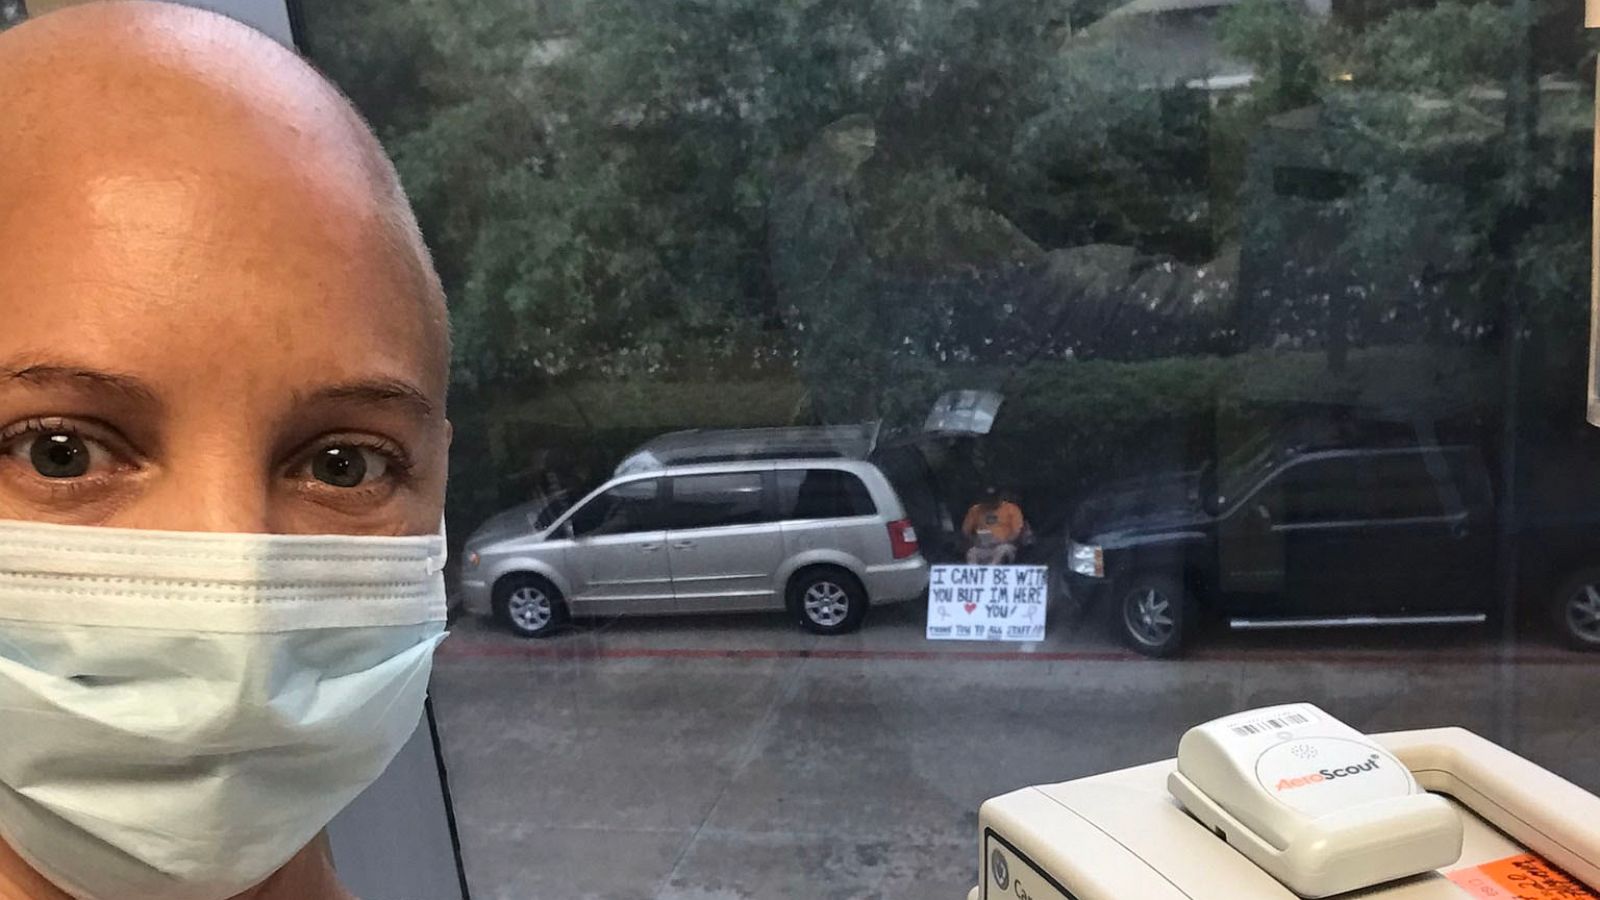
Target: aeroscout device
{"x":1287,"y":802}
{"x":1323,"y":808}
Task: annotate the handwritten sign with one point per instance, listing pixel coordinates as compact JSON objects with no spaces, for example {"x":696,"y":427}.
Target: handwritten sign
{"x":1525,"y":877}
{"x":987,"y":603}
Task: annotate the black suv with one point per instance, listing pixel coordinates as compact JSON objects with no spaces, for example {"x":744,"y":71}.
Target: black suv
{"x":1313,"y":537}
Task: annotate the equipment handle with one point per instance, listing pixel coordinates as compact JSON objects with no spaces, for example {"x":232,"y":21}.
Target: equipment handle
{"x":1537,"y":808}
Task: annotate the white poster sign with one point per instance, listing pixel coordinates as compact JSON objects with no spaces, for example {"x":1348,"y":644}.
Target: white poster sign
{"x":987,"y":603}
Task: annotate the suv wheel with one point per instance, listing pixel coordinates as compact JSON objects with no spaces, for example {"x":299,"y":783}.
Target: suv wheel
{"x":529,"y":605}
{"x":827,"y":600}
{"x":1154,"y":614}
{"x":1577,"y":610}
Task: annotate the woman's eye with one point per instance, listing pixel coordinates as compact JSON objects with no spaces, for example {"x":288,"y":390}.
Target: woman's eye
{"x":347,"y":466}
{"x":59,"y":455}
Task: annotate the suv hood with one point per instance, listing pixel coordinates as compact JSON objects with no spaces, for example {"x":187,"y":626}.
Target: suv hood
{"x":1159,"y":502}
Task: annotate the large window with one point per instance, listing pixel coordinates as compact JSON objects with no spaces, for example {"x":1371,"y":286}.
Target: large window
{"x":629,"y":507}
{"x":822,"y":494}
{"x":712,"y":501}
{"x":1154,"y":283}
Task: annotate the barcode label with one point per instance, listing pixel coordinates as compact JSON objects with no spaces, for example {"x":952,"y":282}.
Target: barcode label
{"x":1276,"y":723}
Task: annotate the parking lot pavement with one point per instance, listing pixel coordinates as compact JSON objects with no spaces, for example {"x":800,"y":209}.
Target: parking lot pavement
{"x":738,"y":758}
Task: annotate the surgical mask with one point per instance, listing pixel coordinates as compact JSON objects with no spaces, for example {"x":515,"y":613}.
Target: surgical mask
{"x":182,"y":712}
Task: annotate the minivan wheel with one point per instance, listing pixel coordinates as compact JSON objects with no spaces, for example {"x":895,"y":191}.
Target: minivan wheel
{"x":827,"y":600}
{"x":1154,"y":614}
{"x":1577,"y":610}
{"x":529,"y":605}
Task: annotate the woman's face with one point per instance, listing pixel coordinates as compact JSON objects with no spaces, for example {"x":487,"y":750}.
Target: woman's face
{"x":187,"y":349}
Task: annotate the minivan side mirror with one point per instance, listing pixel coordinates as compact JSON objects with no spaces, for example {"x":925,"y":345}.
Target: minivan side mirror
{"x":565,"y":532}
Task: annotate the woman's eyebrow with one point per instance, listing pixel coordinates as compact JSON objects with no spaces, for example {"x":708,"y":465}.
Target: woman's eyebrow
{"x":378,"y":391}
{"x":80,"y":377}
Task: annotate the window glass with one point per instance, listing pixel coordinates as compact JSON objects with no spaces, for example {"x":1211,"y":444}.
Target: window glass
{"x":1124,"y":262}
{"x":822,"y":494}
{"x":552,"y":509}
{"x":1372,"y":484}
{"x":1471,"y":476}
{"x":629,"y":507}
{"x":1324,"y":489}
{"x":709,"y":501}
{"x":1411,"y":484}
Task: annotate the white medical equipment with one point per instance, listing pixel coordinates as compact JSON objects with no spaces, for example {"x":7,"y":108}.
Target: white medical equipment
{"x":1287,"y":802}
{"x":1323,"y":808}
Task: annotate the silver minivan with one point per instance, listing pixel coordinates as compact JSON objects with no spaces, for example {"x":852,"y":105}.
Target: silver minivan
{"x":821,"y":538}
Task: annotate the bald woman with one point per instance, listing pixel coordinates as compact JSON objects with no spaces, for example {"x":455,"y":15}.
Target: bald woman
{"x":219,"y":329}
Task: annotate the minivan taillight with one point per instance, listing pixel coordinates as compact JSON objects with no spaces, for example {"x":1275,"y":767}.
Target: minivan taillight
{"x":903,"y":539}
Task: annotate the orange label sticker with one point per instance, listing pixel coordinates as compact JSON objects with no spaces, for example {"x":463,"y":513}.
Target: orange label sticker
{"x":1524,"y":877}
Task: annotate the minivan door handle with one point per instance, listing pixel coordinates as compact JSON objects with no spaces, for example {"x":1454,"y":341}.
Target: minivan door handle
{"x":649,"y":548}
{"x":682,"y":545}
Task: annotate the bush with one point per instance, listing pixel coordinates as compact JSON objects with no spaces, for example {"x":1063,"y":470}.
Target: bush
{"x":1069,"y":427}
{"x":511,"y":443}
{"x":1066,"y":428}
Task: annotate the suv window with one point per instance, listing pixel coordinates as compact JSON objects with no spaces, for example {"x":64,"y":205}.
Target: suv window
{"x":707,"y":501}
{"x":1322,"y":490}
{"x":1404,"y":487}
{"x":1379,"y":485}
{"x":822,"y":494}
{"x":1470,"y":476}
{"x":628,"y":507}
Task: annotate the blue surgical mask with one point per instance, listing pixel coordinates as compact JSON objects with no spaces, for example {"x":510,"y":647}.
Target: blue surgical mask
{"x":182,"y":712}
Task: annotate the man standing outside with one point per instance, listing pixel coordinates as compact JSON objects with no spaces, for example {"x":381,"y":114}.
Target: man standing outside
{"x":993,"y":526}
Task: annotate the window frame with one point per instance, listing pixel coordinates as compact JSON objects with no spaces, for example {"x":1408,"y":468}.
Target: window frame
{"x":1273,"y":489}
{"x":860,"y":483}
{"x":565,"y":528}
{"x":767,"y":513}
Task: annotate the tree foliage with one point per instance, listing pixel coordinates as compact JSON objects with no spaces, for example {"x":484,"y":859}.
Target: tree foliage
{"x":616,"y":187}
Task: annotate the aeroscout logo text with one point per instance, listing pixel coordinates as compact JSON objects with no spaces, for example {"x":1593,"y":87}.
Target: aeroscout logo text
{"x":1371,"y":765}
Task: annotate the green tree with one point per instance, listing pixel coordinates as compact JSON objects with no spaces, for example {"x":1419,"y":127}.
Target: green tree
{"x":1443,"y":153}
{"x":597,"y":184}
{"x":602,"y":181}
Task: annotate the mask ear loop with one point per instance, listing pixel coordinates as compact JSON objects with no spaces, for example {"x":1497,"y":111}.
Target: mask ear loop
{"x":436,"y":561}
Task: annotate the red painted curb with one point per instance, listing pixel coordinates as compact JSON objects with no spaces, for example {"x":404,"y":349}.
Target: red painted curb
{"x":466,"y":649}
{"x":475,"y":650}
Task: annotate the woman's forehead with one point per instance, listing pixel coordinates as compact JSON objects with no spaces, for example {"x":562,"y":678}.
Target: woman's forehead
{"x":244,"y":284}
{"x":237,"y":227}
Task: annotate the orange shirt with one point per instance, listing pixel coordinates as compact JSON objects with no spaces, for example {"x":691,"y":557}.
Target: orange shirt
{"x":1003,"y":521}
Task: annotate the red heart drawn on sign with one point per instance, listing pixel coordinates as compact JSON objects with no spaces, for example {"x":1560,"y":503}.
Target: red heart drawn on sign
{"x":969,"y":607}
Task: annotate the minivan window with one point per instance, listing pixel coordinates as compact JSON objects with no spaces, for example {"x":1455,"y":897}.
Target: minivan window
{"x":628,"y":507}
{"x":707,"y":501}
{"x":822,"y":494}
{"x":552,"y":510}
